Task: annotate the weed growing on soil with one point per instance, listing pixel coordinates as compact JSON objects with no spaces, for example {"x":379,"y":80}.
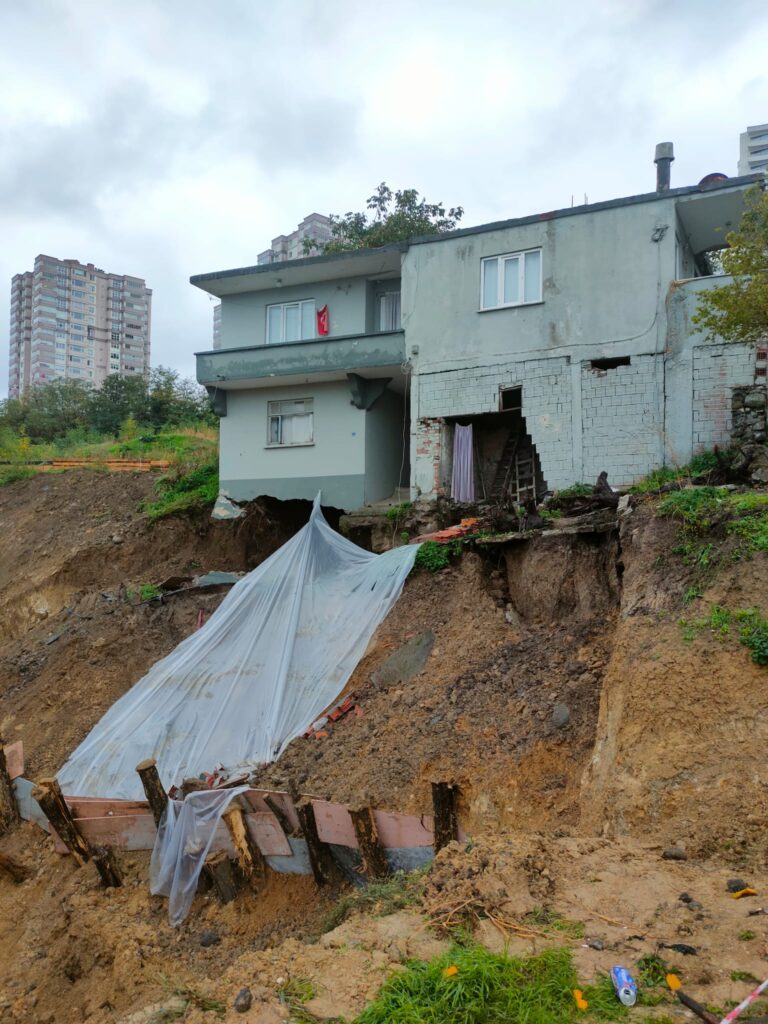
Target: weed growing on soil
{"x":547,"y":920}
{"x":744,"y":976}
{"x":402,"y":889}
{"x":575,"y":491}
{"x":753,"y":629}
{"x":697,"y":508}
{"x":746,"y":936}
{"x":698,"y":466}
{"x":10,"y":474}
{"x":184,"y":493}
{"x":473,"y":986}
{"x":398,"y":512}
{"x":190,"y":999}
{"x":434,"y":556}
{"x":145,"y":592}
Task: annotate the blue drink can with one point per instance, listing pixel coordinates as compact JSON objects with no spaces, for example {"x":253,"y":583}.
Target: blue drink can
{"x":625,"y":986}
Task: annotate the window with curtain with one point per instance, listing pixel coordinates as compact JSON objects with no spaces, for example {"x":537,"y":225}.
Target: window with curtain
{"x":290,"y":422}
{"x":389,"y":311}
{"x":291,"y":321}
{"x":512,"y":279}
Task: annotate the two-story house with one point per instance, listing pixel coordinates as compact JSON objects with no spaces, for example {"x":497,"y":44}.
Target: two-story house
{"x":563,"y":339}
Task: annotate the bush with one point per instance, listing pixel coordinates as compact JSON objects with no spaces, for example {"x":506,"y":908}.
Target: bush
{"x":10,"y":474}
{"x":697,"y":507}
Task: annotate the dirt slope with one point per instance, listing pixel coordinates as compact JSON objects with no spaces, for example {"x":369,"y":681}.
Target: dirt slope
{"x":551,"y":679}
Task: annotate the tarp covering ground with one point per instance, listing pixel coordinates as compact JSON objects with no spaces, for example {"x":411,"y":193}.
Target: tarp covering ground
{"x":277,"y":652}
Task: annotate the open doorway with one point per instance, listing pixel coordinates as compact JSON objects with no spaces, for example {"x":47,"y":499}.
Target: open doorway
{"x":505,"y":461}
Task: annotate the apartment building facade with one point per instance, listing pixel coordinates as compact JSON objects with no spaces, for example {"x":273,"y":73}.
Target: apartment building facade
{"x":315,"y":228}
{"x":75,"y":321}
{"x":565,"y":340}
{"x":753,"y":150}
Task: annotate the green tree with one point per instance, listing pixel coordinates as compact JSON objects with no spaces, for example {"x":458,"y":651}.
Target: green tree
{"x":738,"y":311}
{"x":390,"y":217}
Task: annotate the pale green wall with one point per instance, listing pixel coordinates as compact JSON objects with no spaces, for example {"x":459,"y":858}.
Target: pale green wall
{"x":244,"y":318}
{"x":338,"y":451}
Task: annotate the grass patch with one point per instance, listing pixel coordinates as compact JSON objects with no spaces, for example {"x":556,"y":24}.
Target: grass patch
{"x":11,"y":474}
{"x":470,"y":985}
{"x":575,"y":491}
{"x":697,"y":508}
{"x":547,"y":920}
{"x":434,"y":557}
{"x":744,"y":976}
{"x":402,"y":889}
{"x":752,"y":629}
{"x":398,"y":512}
{"x":698,"y":466}
{"x":185,"y":492}
{"x":145,"y":592}
{"x":746,"y":936}
{"x":190,"y":999}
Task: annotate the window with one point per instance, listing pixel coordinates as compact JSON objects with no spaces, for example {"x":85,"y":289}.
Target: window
{"x":511,"y":399}
{"x":291,"y":321}
{"x":115,"y":336}
{"x":290,"y":422}
{"x":389,"y":311}
{"x":610,"y":364}
{"x":511,"y":280}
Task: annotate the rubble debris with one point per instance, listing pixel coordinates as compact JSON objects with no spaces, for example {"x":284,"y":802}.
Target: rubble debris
{"x":224,"y":508}
{"x":209,"y":937}
{"x":680,"y":947}
{"x":561,"y":716}
{"x":735,"y":885}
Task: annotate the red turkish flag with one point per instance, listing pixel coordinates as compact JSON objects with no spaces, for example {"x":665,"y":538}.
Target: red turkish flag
{"x":322,"y":321}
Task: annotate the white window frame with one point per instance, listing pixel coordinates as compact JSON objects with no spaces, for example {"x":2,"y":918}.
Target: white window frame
{"x":274,"y":413}
{"x":282,"y":306}
{"x":501,"y":259}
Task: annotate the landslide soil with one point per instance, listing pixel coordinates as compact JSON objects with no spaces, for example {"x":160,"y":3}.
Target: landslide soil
{"x":550,"y":679}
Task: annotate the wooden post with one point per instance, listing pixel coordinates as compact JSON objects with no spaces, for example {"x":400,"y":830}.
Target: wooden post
{"x":106,"y":865}
{"x":323,"y":867}
{"x":225,"y":876}
{"x":280,"y":814}
{"x":249,"y":856}
{"x":153,"y":788}
{"x":9,"y":809}
{"x":375,"y":860}
{"x":48,"y":794}
{"x":444,"y":797}
{"x":15,"y":870}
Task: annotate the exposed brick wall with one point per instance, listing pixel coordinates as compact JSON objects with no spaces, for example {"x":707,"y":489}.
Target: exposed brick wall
{"x":547,"y":407}
{"x":622,"y":419}
{"x":717,"y":369}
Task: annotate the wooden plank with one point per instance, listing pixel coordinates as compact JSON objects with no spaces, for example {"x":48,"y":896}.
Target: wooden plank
{"x":375,"y":860}
{"x":444,"y":801}
{"x":14,"y":759}
{"x":92,"y":807}
{"x":255,"y":798}
{"x":269,"y":836}
{"x":323,"y":867}
{"x":334,"y":823}
{"x":404,"y":831}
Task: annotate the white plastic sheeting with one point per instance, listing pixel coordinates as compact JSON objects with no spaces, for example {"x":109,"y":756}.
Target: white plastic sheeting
{"x":276,"y":653}
{"x":183,"y":842}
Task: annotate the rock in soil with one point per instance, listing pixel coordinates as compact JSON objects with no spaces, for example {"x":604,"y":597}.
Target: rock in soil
{"x":674,"y":853}
{"x":243,"y":1000}
{"x":210,"y":938}
{"x":735,"y":885}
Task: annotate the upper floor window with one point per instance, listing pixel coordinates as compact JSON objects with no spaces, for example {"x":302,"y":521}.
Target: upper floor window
{"x":511,"y":279}
{"x":389,"y":311}
{"x":291,"y":321}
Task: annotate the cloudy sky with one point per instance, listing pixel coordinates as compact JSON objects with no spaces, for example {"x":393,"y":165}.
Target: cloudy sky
{"x":164,"y":138}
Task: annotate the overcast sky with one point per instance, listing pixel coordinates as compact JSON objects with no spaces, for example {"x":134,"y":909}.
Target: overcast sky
{"x":164,"y":138}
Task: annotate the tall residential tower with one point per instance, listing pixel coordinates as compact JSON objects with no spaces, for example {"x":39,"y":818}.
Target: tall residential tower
{"x":73,"y":320}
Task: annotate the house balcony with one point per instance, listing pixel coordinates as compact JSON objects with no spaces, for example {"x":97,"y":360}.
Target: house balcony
{"x":361,"y":356}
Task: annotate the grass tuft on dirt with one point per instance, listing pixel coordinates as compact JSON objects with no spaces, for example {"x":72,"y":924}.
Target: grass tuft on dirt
{"x":752,"y":629}
{"x":470,"y":985}
{"x":184,"y":492}
{"x":403,"y":889}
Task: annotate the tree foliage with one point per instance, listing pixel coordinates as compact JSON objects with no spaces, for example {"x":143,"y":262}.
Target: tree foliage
{"x":738,"y":311}
{"x":51,"y":411}
{"x":389,"y":217}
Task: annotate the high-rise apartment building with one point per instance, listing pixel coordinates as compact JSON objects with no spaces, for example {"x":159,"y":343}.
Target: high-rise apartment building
{"x":75,"y":321}
{"x":753,"y":149}
{"x":315,"y":228}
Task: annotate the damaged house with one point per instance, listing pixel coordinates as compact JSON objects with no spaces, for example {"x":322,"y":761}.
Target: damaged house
{"x":565,"y":340}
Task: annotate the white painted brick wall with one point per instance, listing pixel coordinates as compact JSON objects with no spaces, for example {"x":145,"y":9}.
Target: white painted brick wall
{"x":622,"y":420}
{"x":547,"y":407}
{"x":716,"y":370}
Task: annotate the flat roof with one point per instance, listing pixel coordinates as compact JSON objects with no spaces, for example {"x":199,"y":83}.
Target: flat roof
{"x":365,"y":261}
